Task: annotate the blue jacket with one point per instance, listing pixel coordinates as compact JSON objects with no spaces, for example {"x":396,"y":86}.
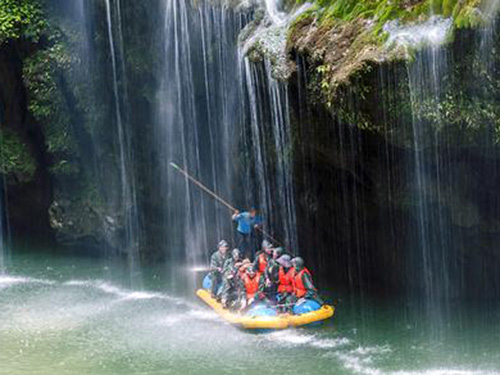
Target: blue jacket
{"x":246,"y":223}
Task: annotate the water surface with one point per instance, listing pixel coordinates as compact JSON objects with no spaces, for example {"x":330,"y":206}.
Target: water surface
{"x":73,"y":315}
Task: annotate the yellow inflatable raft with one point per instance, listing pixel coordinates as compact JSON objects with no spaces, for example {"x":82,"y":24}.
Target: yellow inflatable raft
{"x":266,"y":322}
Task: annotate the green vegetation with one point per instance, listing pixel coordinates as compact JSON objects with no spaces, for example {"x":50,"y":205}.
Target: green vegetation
{"x":16,"y":158}
{"x":21,"y":19}
{"x":43,"y":75}
{"x":379,"y":12}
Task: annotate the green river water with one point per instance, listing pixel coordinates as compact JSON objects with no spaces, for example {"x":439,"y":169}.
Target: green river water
{"x":73,"y":315}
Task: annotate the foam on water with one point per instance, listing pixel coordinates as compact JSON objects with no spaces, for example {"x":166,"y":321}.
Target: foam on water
{"x":362,"y":360}
{"x":171,"y":320}
{"x":356,"y":359}
{"x":296,"y":338}
{"x":447,"y":372}
{"x":106,"y":287}
{"x":123,"y":294}
{"x":330,"y":343}
{"x":8,"y":281}
{"x":358,"y":364}
{"x":290,"y":337}
{"x":373,"y":350}
{"x":203,"y":314}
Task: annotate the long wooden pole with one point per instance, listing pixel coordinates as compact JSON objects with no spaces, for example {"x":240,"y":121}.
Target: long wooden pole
{"x":216,"y":197}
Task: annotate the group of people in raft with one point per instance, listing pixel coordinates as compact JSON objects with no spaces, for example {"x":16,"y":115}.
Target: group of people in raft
{"x":242,"y":277}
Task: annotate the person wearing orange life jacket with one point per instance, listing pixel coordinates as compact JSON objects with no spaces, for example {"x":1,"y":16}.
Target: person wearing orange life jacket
{"x":286,"y":272}
{"x":253,"y":283}
{"x":263,"y":256}
{"x":303,"y":286}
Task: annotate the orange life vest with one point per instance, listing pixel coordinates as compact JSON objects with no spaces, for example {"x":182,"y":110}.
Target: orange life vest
{"x":298,"y":286}
{"x":251,"y":285}
{"x":286,"y":280}
{"x":262,"y":261}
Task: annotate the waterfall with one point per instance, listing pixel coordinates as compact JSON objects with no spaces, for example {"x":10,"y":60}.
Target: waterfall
{"x":4,"y":224}
{"x":490,"y":13}
{"x":99,"y":74}
{"x":3,"y":218}
{"x":226,"y":120}
{"x":270,"y":140}
{"x":275,"y":14}
{"x":127,"y":181}
{"x":430,"y":264}
{"x":197,"y":123}
{"x":434,"y":240}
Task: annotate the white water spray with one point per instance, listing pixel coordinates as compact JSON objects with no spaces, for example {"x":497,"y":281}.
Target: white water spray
{"x":433,"y":32}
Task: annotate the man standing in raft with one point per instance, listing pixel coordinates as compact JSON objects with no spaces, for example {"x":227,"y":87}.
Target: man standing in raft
{"x":247,"y":221}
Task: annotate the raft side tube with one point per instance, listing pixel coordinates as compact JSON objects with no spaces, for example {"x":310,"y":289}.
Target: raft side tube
{"x":266,"y":322}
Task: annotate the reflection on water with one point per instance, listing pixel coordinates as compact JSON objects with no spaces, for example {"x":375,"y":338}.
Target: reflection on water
{"x":56,"y":317}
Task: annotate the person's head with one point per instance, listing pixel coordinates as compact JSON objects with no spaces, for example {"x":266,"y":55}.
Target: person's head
{"x":223,"y":247}
{"x":267,"y":247}
{"x":250,"y":271}
{"x":285,"y":261}
{"x":252,"y":211}
{"x":298,"y":263}
{"x":236,"y":254}
{"x":277,"y":252}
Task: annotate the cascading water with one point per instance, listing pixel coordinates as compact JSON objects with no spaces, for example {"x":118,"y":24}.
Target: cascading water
{"x":234,"y":137}
{"x":125,"y":158}
{"x":197,"y":122}
{"x":271,"y":141}
{"x":107,"y":158}
{"x":3,"y":216}
{"x":274,"y":12}
{"x":433,"y":246}
{"x":490,"y":10}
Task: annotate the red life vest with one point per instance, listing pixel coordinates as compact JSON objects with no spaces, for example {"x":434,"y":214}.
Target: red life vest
{"x":286,"y":280}
{"x":251,"y":285}
{"x":298,"y":286}
{"x":262,"y":261}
